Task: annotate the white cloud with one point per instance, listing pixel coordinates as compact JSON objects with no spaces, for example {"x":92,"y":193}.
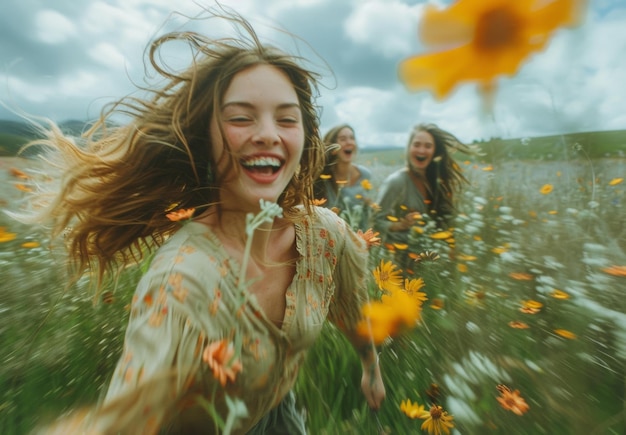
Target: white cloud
{"x":109,"y":56}
{"x":389,"y":27}
{"x":52,"y":27}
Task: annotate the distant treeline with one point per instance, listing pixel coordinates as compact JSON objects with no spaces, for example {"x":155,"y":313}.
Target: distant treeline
{"x":594,"y":144}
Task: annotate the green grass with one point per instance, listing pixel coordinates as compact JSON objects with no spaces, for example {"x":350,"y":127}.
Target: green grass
{"x":59,"y":349}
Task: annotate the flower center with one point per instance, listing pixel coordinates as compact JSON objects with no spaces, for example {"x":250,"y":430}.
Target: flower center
{"x":435,"y":412}
{"x":496,"y":29}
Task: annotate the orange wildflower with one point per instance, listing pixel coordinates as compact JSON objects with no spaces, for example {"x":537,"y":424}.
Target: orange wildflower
{"x":17,"y":173}
{"x":371,"y":237}
{"x":182,"y":214}
{"x":521,"y":276}
{"x":511,"y":400}
{"x":318,"y":202}
{"x":365,"y":184}
{"x":219,"y":356}
{"x":479,"y":40}
{"x":518,"y":325}
{"x":30,"y":245}
{"x":615,"y":181}
{"x":615,"y":270}
{"x":23,"y":187}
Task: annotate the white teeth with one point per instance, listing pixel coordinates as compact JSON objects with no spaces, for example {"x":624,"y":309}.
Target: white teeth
{"x":261,"y":161}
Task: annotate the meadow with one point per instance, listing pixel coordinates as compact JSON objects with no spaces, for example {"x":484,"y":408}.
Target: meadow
{"x":527,"y":292}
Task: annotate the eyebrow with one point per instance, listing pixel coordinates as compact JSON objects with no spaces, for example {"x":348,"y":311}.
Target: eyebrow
{"x":250,"y":105}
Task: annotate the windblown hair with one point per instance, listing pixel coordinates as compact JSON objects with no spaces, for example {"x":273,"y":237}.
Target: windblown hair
{"x":443,"y":174}
{"x":331,"y":149}
{"x":119,"y":183}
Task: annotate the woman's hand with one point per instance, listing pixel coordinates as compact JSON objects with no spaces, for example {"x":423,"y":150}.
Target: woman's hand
{"x":372,"y":383}
{"x":406,"y":222}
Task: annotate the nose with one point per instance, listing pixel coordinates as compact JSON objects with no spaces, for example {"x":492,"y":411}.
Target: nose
{"x":266,"y":132}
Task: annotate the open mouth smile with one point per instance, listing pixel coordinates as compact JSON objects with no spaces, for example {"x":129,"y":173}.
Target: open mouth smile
{"x":265,"y":165}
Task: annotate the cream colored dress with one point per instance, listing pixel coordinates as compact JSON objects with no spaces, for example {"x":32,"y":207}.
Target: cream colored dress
{"x":189,"y":298}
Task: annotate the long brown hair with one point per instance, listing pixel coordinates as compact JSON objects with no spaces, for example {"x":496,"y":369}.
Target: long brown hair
{"x":331,"y":148}
{"x":118,"y":183}
{"x":443,"y":174}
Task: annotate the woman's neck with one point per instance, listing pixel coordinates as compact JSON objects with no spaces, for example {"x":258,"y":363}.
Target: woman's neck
{"x":343,"y":171}
{"x":230,"y":227}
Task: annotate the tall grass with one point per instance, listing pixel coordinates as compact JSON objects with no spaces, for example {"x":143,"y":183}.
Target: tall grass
{"x":59,"y":349}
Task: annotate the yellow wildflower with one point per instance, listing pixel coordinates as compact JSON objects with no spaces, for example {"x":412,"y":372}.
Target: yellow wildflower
{"x":478,"y":40}
{"x":388,"y":277}
{"x":437,"y":421}
{"x":412,"y":410}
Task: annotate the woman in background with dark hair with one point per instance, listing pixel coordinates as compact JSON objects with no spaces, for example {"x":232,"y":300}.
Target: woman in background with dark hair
{"x":426,"y":185}
{"x":344,"y":184}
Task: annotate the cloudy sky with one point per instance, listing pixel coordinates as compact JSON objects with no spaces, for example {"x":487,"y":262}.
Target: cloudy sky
{"x":64,"y":59}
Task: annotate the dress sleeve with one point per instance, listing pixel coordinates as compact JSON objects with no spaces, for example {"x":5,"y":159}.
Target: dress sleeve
{"x":350,"y":277}
{"x":161,"y":357}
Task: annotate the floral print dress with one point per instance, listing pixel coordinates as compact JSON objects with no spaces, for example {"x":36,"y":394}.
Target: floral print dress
{"x":189,"y":304}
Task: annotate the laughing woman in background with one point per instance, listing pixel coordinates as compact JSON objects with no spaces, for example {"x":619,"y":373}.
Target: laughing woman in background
{"x":426,"y":185}
{"x":344,"y":184}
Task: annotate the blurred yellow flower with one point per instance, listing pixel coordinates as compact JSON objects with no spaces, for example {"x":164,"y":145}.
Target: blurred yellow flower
{"x":411,"y":410}
{"x":6,"y":237}
{"x":30,"y":245}
{"x":395,"y":312}
{"x":531,"y":306}
{"x":413,"y":287}
{"x":437,"y":421}
{"x":388,"y":277}
{"x":461,"y":267}
{"x":392,"y":218}
{"x":615,"y":181}
{"x":436,"y":304}
{"x":565,"y":334}
{"x":547,"y":188}
{"x":479,"y":40}
{"x":401,"y":246}
{"x":488,"y":168}
{"x":559,"y":294}
{"x":464,"y":257}
{"x":518,"y":325}
{"x":441,"y":235}
{"x":365,"y":184}
{"x":521,"y":276}
{"x":326,"y":176}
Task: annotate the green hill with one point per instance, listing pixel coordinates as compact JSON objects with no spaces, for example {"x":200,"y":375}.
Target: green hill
{"x":594,"y":144}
